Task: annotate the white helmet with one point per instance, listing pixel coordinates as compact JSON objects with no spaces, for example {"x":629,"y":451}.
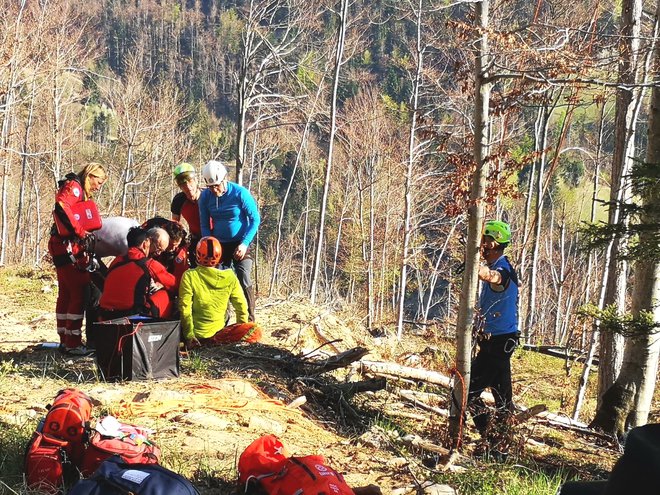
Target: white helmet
{"x":214,"y":172}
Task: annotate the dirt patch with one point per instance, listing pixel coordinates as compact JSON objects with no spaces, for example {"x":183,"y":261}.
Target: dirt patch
{"x":228,"y":396}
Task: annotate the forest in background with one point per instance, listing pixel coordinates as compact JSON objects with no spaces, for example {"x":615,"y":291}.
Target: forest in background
{"x":360,"y":128}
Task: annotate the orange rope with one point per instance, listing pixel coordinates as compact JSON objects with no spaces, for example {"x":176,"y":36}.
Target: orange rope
{"x":454,"y":372}
{"x":203,"y":396}
{"x":120,"y":343}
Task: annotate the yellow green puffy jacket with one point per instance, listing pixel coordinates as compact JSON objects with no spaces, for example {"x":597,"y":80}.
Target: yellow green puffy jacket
{"x":203,"y":297}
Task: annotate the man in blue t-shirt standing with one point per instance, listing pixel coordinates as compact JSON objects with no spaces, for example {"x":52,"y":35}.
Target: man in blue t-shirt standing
{"x":229,"y":213}
{"x":498,"y":331}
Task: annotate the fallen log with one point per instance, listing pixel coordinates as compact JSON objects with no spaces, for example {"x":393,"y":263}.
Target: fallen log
{"x":415,"y":441}
{"x":351,"y":388}
{"x":531,"y":412}
{"x":337,"y":361}
{"x":377,"y":367}
{"x":405,"y":394}
{"x":406,"y":372}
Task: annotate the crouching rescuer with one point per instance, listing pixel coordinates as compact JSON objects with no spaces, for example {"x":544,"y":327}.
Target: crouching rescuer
{"x":204,"y":294}
{"x":137,"y":284}
{"x":497,"y":337}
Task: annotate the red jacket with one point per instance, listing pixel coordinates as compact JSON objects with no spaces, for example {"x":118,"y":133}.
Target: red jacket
{"x":175,"y":263}
{"x":69,"y":193}
{"x":129,"y":281}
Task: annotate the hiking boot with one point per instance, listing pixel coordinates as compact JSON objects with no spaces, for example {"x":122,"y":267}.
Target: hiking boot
{"x":81,"y":350}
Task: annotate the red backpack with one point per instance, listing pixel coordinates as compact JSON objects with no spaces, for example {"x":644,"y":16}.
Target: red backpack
{"x":45,"y":462}
{"x":266,"y":468}
{"x":133,"y":447}
{"x":57,"y":446}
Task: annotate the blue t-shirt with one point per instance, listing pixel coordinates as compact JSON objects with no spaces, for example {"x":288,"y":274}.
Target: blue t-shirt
{"x":498,"y":304}
{"x":235,"y":214}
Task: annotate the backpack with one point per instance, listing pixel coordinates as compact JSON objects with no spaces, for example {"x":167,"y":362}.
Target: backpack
{"x":67,"y":419}
{"x":44,"y":464}
{"x":265,"y":468}
{"x":53,"y":453}
{"x":132,"y":447}
{"x":115,"y":477}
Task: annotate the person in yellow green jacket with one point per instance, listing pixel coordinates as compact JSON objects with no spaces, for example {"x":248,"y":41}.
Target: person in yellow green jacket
{"x":204,"y":294}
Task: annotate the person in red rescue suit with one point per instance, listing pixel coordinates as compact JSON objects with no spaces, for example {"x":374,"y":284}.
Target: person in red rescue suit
{"x":67,"y":252}
{"x":175,"y":257}
{"x":136,"y":284}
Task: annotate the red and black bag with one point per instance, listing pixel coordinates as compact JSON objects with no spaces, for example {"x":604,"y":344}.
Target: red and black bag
{"x":307,"y":475}
{"x":67,"y":419}
{"x":45,"y":460}
{"x":133,"y":447}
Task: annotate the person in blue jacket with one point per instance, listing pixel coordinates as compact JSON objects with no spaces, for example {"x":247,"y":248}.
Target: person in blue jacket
{"x":497,"y":335}
{"x":228,"y":212}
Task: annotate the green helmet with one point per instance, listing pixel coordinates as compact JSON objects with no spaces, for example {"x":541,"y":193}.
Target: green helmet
{"x":183,"y":172}
{"x":500,"y":231}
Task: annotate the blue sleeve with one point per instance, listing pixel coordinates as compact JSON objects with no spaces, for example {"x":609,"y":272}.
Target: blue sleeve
{"x":252,"y":212}
{"x":204,"y":215}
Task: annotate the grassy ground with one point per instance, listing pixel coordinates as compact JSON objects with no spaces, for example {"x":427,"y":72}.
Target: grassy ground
{"x":29,"y":379}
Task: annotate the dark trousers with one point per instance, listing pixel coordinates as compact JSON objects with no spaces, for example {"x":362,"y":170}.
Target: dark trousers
{"x":491,"y":368}
{"x":243,"y":270}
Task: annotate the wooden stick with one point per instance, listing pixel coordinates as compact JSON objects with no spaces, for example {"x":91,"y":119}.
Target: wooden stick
{"x":409,"y":397}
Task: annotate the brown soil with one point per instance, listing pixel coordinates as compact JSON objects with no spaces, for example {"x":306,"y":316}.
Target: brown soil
{"x":226,"y":397}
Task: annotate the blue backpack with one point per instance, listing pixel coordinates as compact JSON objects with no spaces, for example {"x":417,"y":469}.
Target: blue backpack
{"x":114,"y":477}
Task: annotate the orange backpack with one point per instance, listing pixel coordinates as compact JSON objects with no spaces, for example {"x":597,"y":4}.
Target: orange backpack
{"x":57,"y":446}
{"x":67,"y":420}
{"x":266,"y":468}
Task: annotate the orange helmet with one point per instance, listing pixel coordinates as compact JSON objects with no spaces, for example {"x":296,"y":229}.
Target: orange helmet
{"x":209,"y":251}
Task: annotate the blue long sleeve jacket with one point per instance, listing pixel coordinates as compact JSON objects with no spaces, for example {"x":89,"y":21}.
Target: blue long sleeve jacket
{"x":235,"y":214}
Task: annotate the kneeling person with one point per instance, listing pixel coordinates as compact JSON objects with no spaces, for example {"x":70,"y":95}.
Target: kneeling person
{"x":204,"y":294}
{"x":135,"y":283}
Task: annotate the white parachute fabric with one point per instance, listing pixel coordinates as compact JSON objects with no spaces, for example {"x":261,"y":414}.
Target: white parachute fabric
{"x":111,"y":237}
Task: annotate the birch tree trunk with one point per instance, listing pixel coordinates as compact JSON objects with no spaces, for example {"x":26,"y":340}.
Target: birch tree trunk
{"x":482,"y":87}
{"x":627,"y":402}
{"x":611,"y":344}
{"x":408,"y":185}
{"x":339,"y":55}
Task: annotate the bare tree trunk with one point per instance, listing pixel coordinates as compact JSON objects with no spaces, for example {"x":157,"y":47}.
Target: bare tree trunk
{"x":408,"y":185}
{"x":611,"y":344}
{"x":303,"y":263}
{"x":475,"y":222}
{"x":342,"y":218}
{"x":285,"y":199}
{"x":339,"y":55}
{"x":561,"y":277}
{"x":371,"y":310}
{"x":628,"y":401}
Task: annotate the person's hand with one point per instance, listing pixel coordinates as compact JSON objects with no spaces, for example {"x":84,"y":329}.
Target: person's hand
{"x":484,"y":272}
{"x":87,"y":242}
{"x":239,"y":252}
{"x":192,"y":343}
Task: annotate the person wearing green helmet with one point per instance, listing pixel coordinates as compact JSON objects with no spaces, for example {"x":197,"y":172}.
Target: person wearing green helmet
{"x":184,"y":204}
{"x":497,"y":324}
